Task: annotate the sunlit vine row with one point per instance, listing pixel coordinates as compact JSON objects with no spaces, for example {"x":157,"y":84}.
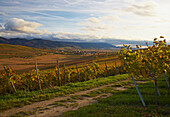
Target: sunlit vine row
{"x":149,"y":62}
{"x":28,"y":81}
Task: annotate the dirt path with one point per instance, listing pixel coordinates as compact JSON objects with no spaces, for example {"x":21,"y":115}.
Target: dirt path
{"x":56,"y":107}
{"x":56,"y":110}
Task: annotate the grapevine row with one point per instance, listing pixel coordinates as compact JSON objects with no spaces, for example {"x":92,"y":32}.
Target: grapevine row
{"x":57,"y":77}
{"x":151,"y":63}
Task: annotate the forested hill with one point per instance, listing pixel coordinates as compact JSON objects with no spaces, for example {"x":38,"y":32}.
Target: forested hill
{"x":48,"y":44}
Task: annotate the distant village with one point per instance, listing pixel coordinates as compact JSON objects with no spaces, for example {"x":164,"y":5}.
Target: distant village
{"x":77,"y":52}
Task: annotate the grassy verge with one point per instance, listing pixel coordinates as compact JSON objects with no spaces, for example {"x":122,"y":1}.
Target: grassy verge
{"x":127,"y":103}
{"x":22,"y":98}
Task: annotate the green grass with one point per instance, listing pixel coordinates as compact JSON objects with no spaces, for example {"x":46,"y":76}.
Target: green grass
{"x":58,"y":104}
{"x":77,"y":97}
{"x":22,"y":114}
{"x":99,"y":91}
{"x":22,"y":98}
{"x":128,"y":104}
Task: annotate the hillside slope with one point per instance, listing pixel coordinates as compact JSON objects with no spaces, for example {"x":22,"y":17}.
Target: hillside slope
{"x":47,"y":44}
{"x":8,"y":51}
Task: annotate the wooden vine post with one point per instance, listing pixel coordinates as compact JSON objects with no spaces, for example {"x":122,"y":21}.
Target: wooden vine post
{"x":106,"y":69}
{"x":95,"y":71}
{"x":116,"y":67}
{"x":78,"y":73}
{"x":166,"y":81}
{"x":64,"y":74}
{"x":87,"y":73}
{"x":38,"y":79}
{"x":11,"y":82}
{"x":59,"y":81}
{"x":121,"y":68}
{"x":138,"y":92}
{"x":155,"y":85}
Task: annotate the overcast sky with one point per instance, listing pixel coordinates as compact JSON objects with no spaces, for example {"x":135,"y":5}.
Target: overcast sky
{"x":85,"y":19}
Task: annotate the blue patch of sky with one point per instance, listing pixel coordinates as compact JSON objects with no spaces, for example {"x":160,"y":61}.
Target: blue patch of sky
{"x":67,"y":14}
{"x":3,"y":3}
{"x":52,"y":21}
{"x":56,"y":25}
{"x":1,"y":21}
{"x":49,"y":15}
{"x":31,"y":14}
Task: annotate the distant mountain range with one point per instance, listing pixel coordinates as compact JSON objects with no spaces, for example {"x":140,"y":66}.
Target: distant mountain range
{"x":115,"y":42}
{"x":48,"y":44}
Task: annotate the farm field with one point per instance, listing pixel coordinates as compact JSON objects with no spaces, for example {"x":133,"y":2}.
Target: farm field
{"x":44,"y":61}
{"x":17,"y":51}
{"x":22,"y":58}
{"x":49,"y":61}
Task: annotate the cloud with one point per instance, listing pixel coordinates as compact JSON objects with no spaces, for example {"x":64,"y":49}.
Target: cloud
{"x":103,"y":25}
{"x":20,"y":25}
{"x":97,"y":27}
{"x":111,"y":18}
{"x":2,"y":13}
{"x":140,"y":27}
{"x":162,"y":20}
{"x":68,"y":35}
{"x":94,"y":20}
{"x":106,"y":18}
{"x":142,"y":9}
{"x":73,"y":1}
{"x":19,"y":28}
{"x":102,"y":18}
{"x":52,"y":36}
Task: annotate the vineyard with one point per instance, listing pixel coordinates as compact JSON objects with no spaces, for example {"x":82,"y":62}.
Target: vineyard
{"x":37,"y":80}
{"x":149,"y":66}
{"x":150,"y":63}
{"x":142,"y":63}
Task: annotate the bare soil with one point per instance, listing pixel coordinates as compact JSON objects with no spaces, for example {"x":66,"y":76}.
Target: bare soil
{"x":45,"y":62}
